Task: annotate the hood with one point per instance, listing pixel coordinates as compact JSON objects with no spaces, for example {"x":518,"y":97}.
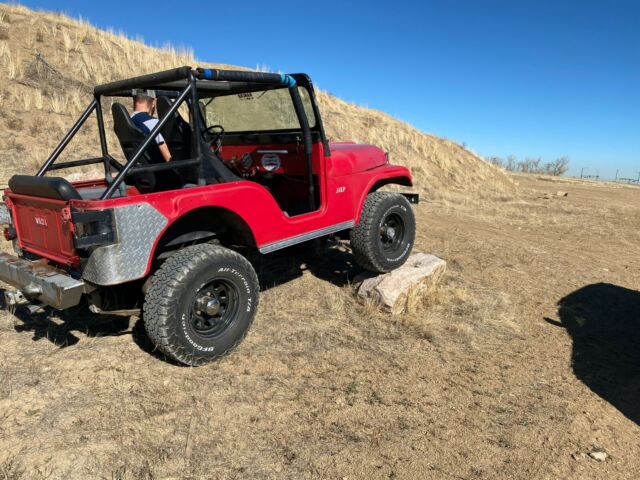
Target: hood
{"x":350,"y":157}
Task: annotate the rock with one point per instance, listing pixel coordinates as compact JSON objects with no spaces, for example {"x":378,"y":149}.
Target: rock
{"x":560,"y":193}
{"x":599,"y":455}
{"x":421,"y":270}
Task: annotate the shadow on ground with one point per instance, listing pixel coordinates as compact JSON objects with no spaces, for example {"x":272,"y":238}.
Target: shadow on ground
{"x":58,"y":326}
{"x":331,"y":262}
{"x":604,"y":323}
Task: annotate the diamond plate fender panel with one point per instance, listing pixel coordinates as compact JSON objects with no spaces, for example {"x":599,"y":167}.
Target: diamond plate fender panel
{"x":138,"y":227}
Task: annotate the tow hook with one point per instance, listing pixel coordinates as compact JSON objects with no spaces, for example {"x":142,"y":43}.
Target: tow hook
{"x":13,"y":298}
{"x":16,"y":298}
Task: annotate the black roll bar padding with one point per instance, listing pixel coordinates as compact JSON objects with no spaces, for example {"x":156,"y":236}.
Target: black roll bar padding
{"x":307,"y":141}
{"x":303,"y":80}
{"x":178,"y":85}
{"x":159,"y":167}
{"x":67,"y":138}
{"x":151,"y":137}
{"x":237,"y":76}
{"x":142,"y":81}
{"x":197,"y":127}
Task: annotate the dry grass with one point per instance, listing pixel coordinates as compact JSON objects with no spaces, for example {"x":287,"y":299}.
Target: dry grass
{"x":49,"y":63}
{"x":452,"y":307}
{"x":316,"y":383}
{"x":470,"y":383}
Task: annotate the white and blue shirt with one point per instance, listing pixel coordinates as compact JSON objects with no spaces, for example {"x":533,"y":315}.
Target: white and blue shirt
{"x":146,"y":122}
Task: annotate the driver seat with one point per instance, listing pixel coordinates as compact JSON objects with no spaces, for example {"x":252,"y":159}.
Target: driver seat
{"x":130,"y":138}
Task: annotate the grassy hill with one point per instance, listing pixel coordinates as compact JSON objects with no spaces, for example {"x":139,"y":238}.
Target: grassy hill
{"x":49,"y":63}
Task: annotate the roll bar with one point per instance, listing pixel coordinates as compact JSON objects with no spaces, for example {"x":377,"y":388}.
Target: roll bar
{"x":182,"y":80}
{"x":67,"y":138}
{"x":143,"y":81}
{"x":150,"y":138}
{"x":239,"y":76}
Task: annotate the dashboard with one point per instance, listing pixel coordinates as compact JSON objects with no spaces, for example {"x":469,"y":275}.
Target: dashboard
{"x":250,"y":160}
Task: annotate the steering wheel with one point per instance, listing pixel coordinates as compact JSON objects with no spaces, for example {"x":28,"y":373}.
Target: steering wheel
{"x":214,"y":135}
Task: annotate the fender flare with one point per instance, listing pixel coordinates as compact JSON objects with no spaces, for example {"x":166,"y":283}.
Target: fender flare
{"x":224,"y":216}
{"x":378,"y":182}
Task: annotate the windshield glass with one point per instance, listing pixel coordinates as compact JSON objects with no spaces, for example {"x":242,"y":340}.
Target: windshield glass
{"x":258,"y":111}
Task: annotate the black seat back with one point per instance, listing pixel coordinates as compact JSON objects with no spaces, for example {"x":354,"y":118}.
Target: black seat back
{"x":176,"y":132}
{"x":130,"y":138}
{"x":47,"y":187}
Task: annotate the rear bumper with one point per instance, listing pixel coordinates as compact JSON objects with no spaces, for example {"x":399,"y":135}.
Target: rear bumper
{"x":41,"y":282}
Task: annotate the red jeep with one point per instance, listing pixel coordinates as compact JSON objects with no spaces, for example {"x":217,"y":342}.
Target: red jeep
{"x":251,"y":171}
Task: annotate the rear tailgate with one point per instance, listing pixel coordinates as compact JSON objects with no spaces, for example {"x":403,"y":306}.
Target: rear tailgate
{"x":43,"y":227}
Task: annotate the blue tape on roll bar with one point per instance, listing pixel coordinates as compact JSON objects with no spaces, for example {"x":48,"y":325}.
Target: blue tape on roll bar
{"x":207,"y":73}
{"x":288,"y":80}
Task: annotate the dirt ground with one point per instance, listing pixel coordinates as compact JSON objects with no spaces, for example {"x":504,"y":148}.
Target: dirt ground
{"x":522,"y":365}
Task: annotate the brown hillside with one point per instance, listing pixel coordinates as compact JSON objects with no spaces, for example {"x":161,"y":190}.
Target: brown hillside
{"x":49,"y":62}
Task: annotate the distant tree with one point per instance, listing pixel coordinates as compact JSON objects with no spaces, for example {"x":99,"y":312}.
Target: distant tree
{"x":558,"y":167}
{"x":532,"y":165}
{"x":512,"y":163}
{"x":497,"y":161}
{"x":529,"y":165}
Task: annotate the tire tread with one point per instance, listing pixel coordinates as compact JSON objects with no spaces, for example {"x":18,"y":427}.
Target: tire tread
{"x":161,"y":298}
{"x":362,"y":246}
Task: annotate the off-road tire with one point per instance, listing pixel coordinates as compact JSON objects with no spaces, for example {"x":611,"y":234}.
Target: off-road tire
{"x":170,"y":302}
{"x":368,"y":242}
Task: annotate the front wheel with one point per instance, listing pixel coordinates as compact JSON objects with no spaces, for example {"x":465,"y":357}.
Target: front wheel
{"x":384,"y":237}
{"x":201,"y":303}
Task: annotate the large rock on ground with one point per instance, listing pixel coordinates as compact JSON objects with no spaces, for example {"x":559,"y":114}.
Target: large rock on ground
{"x":421,"y":271}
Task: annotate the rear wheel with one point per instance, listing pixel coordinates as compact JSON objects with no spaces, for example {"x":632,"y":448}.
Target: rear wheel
{"x":201,"y":303}
{"x":384,"y":237}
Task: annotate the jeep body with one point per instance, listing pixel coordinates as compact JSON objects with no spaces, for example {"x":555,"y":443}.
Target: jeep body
{"x":257,"y":190}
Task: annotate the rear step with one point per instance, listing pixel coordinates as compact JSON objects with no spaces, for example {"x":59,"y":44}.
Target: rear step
{"x":41,"y":282}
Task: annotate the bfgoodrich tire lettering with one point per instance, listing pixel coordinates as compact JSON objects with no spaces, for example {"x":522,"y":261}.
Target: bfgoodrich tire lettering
{"x":201,"y":303}
{"x":384,"y":237}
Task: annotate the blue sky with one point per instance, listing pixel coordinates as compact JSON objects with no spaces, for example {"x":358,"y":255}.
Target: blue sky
{"x":530,"y":78}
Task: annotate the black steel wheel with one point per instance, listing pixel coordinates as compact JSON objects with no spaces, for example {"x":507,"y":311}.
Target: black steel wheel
{"x":214,"y":306}
{"x":201,"y":303}
{"x":392,"y":232}
{"x":383,"y":238}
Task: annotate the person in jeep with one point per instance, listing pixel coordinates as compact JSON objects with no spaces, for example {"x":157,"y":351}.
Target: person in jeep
{"x":144,"y":108}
